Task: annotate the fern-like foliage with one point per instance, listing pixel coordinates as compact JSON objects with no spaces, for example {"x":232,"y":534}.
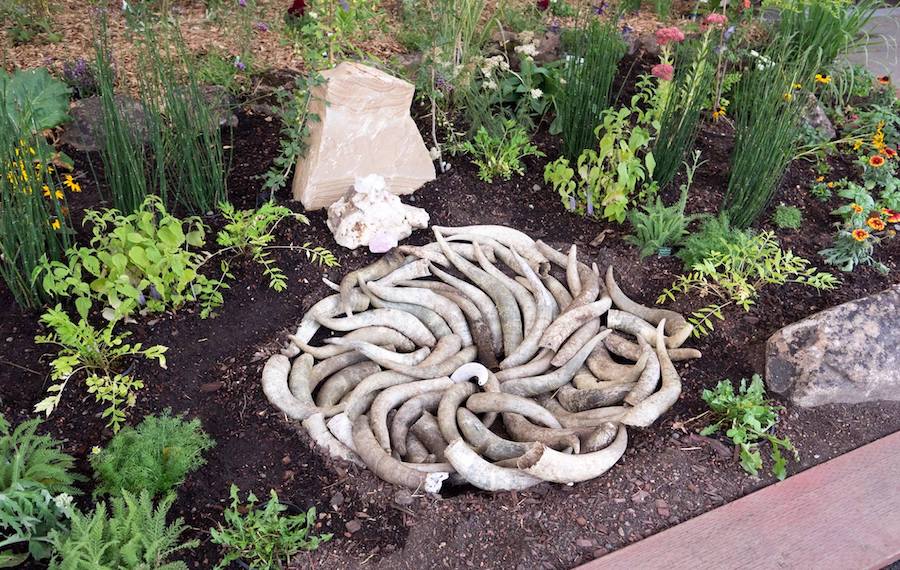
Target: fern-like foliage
{"x":133,"y":535}
{"x":737,"y":273}
{"x":36,"y":488}
{"x":155,"y":456}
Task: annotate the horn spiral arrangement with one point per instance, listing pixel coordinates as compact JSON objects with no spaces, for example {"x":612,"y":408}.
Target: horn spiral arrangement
{"x":467,"y":361}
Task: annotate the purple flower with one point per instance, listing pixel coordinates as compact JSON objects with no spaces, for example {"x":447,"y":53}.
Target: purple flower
{"x":626,"y":30}
{"x":239,"y":64}
{"x":590,"y":206}
{"x":554,"y":26}
{"x":242,"y":3}
{"x":572,"y":203}
{"x":600,"y":8}
{"x":261,"y":26}
{"x":344,"y":5}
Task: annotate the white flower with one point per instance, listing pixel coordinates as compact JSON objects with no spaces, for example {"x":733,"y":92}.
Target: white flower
{"x":63,"y":503}
{"x":536,"y":93}
{"x":562,"y":80}
{"x":489,"y":84}
{"x":434,"y":152}
{"x":504,"y":66}
{"x":313,"y":15}
{"x":529,"y":50}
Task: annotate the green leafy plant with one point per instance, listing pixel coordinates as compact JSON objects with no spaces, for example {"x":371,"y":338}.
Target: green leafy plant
{"x":500,"y":155}
{"x":139,"y":262}
{"x":587,"y":78}
{"x":155,"y":456}
{"x":36,"y":487}
{"x":133,"y":534}
{"x":747,"y":417}
{"x":787,"y":217}
{"x":295,"y":113}
{"x":251,"y":233}
{"x":28,"y":21}
{"x":658,"y":225}
{"x":34,"y":100}
{"x":609,"y":176}
{"x":103,"y":356}
{"x":264,"y":537}
{"x":329,"y":32}
{"x":735,"y":272}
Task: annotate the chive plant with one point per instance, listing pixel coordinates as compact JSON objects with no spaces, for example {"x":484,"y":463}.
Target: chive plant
{"x":588,"y":73}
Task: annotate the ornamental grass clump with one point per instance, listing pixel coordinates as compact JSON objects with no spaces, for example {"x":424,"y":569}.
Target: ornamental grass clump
{"x":587,"y":75}
{"x":766,"y":119}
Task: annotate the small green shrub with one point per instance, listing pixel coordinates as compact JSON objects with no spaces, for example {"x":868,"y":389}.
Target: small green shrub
{"x":133,"y":535}
{"x":787,"y":217}
{"x":714,"y":234}
{"x":735,"y":274}
{"x":36,"y":487}
{"x":251,"y":233}
{"x":864,"y":223}
{"x":155,"y":456}
{"x":500,"y":155}
{"x":103,"y":356}
{"x":264,"y":537}
{"x":139,"y":262}
{"x":659,"y":225}
{"x":747,"y":416}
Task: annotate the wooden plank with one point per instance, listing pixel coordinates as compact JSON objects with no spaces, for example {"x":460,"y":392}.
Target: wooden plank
{"x":842,"y":514}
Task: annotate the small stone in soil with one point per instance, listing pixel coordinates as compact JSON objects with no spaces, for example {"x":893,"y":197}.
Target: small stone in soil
{"x":581,"y":521}
{"x":337,"y":499}
{"x":403,"y":498}
{"x":584,"y":543}
{"x":211,"y":386}
{"x":354,"y":526}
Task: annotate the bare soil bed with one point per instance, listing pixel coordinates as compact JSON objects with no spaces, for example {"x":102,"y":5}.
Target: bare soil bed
{"x":667,"y":475}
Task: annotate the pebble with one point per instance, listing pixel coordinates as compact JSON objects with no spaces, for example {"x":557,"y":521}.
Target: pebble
{"x":337,"y":499}
{"x":354,"y":526}
{"x":640,"y":496}
{"x":536,"y":187}
{"x":286,"y":460}
{"x":404,"y":498}
{"x":581,"y":521}
{"x":599,"y":552}
{"x":584,"y":543}
{"x":211,"y":386}
{"x":662,"y":507}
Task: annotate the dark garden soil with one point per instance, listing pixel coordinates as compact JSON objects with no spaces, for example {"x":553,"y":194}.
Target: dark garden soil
{"x":667,"y":475}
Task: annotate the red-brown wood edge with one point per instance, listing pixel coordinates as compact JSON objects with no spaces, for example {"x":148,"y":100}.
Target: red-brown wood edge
{"x":842,"y":514}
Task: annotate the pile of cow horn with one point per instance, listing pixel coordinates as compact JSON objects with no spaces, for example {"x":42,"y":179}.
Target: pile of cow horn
{"x":428,"y":366}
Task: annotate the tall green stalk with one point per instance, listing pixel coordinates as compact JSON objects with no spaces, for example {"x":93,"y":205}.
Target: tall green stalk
{"x":767,"y":115}
{"x":588,"y":73}
{"x":33,"y":213}
{"x":680,"y":119}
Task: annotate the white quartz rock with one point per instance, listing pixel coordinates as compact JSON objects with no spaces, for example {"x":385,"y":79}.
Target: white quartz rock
{"x":368,"y":214}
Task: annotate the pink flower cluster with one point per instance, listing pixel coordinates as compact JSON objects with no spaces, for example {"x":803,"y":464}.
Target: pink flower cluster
{"x":715,"y":20}
{"x":664,"y":71}
{"x":669,"y":35}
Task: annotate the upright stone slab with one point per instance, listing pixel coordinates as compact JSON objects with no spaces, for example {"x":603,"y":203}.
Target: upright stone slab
{"x":846,"y":354}
{"x":364,"y":129}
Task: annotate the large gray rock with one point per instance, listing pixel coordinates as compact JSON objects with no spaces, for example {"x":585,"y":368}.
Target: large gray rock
{"x":846,"y":354}
{"x":85,"y":132}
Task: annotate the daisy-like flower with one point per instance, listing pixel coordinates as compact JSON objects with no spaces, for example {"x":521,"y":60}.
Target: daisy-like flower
{"x":884,"y":79}
{"x":796,"y":86}
{"x":892,"y":216}
{"x":788,"y":97}
{"x":536,"y":93}
{"x":823,"y":79}
{"x":857,"y":144}
{"x":857,"y":209}
{"x":876,"y":161}
{"x":718,"y":114}
{"x":875,"y":223}
{"x":860,"y":234}
{"x":55,"y":224}
{"x":830,"y":185}
{"x":70,"y":183}
{"x":889,"y":152}
{"x":820,"y":179}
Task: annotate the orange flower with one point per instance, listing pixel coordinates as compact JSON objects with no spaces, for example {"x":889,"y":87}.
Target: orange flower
{"x":876,"y":161}
{"x":830,"y":185}
{"x":820,"y":179}
{"x":857,"y":209}
{"x":876,"y":224}
{"x":892,"y":216}
{"x":860,"y":235}
{"x":718,"y":114}
{"x":884,"y":79}
{"x":889,"y":152}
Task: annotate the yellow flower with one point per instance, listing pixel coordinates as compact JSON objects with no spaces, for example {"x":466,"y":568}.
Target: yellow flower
{"x":55,"y":224}
{"x":875,"y":223}
{"x":797,"y":86}
{"x":70,"y":182}
{"x":718,"y":114}
{"x":857,"y":144}
{"x":857,"y":209}
{"x":830,"y":185}
{"x":860,"y":235}
{"x":878,"y":139}
{"x":820,"y":179}
{"x":95,"y":450}
{"x":823,"y":79}
{"x":788,"y":97}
